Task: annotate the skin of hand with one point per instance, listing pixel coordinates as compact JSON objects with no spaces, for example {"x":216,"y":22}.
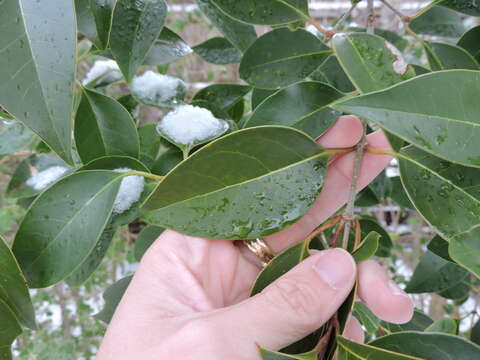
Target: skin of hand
{"x":189,"y":296}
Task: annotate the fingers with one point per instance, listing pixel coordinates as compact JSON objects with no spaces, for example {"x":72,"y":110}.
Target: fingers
{"x":346,"y":132}
{"x":384,"y":298}
{"x":335,"y":191}
{"x":353,"y":330}
{"x":296,"y":304}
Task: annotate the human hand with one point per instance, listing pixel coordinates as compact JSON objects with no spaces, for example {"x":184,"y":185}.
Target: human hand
{"x":189,"y":296}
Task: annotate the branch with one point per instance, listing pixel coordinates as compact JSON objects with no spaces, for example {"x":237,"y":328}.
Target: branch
{"x":370,"y":17}
{"x":327,"y":33}
{"x":405,"y":19}
{"x":345,"y":16}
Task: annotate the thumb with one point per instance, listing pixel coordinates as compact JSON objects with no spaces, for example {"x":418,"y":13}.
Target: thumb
{"x":297,"y":303}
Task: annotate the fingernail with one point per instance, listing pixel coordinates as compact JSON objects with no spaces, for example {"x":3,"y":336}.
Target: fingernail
{"x":395,"y":289}
{"x":336,"y":267}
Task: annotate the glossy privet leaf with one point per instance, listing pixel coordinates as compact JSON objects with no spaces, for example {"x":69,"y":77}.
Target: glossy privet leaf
{"x":447,"y":196}
{"x":239,"y":34}
{"x":398,"y":194}
{"x":370,"y":322}
{"x":369,"y":224}
{"x":280,"y":265}
{"x":448,"y":56}
{"x":470,"y":41}
{"x":112,"y":297}
{"x":392,"y":37}
{"x":429,"y":345}
{"x":146,"y":238}
{"x":303,"y":106}
{"x":167,"y":48}
{"x":458,"y":292}
{"x":273,"y":355}
{"x":9,"y":330}
{"x":439,"y":247}
{"x":259,"y":95}
{"x":331,"y":72}
{"x":136,"y":25}
{"x":359,"y":351}
{"x":63,"y":225}
{"x":282,"y":57}
{"x":266,"y":12}
{"x":446,"y":325}
{"x":14,"y":137}
{"x":236,"y":187}
{"x":114,"y":162}
{"x":167,"y":160}
{"x":447,"y":126}
{"x":218,"y":51}
{"x":438,"y":21}
{"x":104,"y":127}
{"x":37,"y":66}
{"x":86,"y":21}
{"x":102,"y":13}
{"x":469,"y":7}
{"x":419,"y":322}
{"x":475,"y":333}
{"x":371,"y":62}
{"x":150,"y":142}
{"x":433,"y":274}
{"x":367,"y":248}
{"x":223,"y":96}
{"x":13,"y":290}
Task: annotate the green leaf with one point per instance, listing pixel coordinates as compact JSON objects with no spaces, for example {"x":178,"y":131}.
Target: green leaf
{"x":419,"y":70}
{"x":112,"y":297}
{"x":470,"y":41}
{"x":475,"y":333}
{"x":439,"y":247}
{"x":368,"y":225}
{"x":14,"y":137}
{"x":445,"y":325}
{"x":272,"y":355}
{"x":223,"y":96}
{"x":280,"y":265}
{"x":234,"y":187}
{"x":102,"y":13}
{"x":447,"y":196}
{"x":265,"y":12}
{"x":303,"y":106}
{"x":331,"y":72}
{"x":146,"y":238}
{"x":9,"y":328}
{"x":37,"y":66}
{"x":392,"y":37}
{"x":370,"y":322}
{"x":468,"y":7}
{"x":218,"y":51}
{"x":419,"y":322}
{"x":14,"y":292}
{"x":258,"y":95}
{"x":282,"y":57}
{"x":114,"y":162}
{"x":136,"y":24}
{"x":166,"y":161}
{"x":451,"y":57}
{"x":167,"y":48}
{"x":443,"y":127}
{"x":104,"y":127}
{"x":364,"y":351}
{"x":86,"y":22}
{"x":429,"y":345}
{"x":239,"y":34}
{"x":438,"y":21}
{"x":367,"y":248}
{"x":398,"y":194}
{"x":370,"y":61}
{"x":63,"y":225}
{"x":433,"y":273}
{"x":457,"y":292}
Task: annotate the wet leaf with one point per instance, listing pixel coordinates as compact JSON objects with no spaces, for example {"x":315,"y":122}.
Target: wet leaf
{"x":9,"y":328}
{"x":331,"y":72}
{"x":234,"y":188}
{"x":369,"y":224}
{"x":102,"y":13}
{"x":470,"y":41}
{"x":370,"y":62}
{"x":37,"y":66}
{"x":449,"y":56}
{"x":104,"y":127}
{"x":86,"y":21}
{"x":146,"y":238}
{"x":468,"y":7}
{"x":112,"y":297}
{"x":367,"y":248}
{"x":303,"y":106}
{"x":258,"y":95}
{"x":168,"y":47}
{"x":223,"y":96}
{"x":54,"y":238}
{"x":14,"y":137}
{"x":136,"y":25}
{"x":438,"y":21}
{"x":282,"y":57}
{"x":447,"y":126}
{"x":439,"y":247}
{"x":218,"y":51}
{"x":357,"y":351}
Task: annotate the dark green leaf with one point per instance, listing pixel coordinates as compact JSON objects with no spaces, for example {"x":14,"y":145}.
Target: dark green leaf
{"x":369,"y":224}
{"x":475,"y":333}
{"x":370,"y":61}
{"x":433,"y":346}
{"x":166,"y":161}
{"x":470,"y":41}
{"x":451,"y":57}
{"x":166,"y":49}
{"x":9,"y":329}
{"x":331,"y":72}
{"x":457,"y":292}
{"x":282,"y":57}
{"x":392,"y":37}
{"x":447,"y":126}
{"x":399,"y":195}
{"x":367,"y":248}
{"x":146,"y":238}
{"x":366,"y":198}
{"x":218,"y":51}
{"x":366,"y":317}
{"x":131,"y":105}
{"x":223,"y":96}
{"x":103,"y":127}
{"x":114,"y":162}
{"x":13,"y":291}
{"x":433,"y":273}
{"x":419,"y":322}
{"x":258,"y":95}
{"x":272,"y":355}
{"x":37,"y":66}
{"x":86,"y":21}
{"x":102,"y":13}
{"x":363,"y":351}
{"x":445,"y":325}
{"x":469,"y":7}
{"x":14,"y":137}
{"x":136,"y":25}
{"x":63,"y":225}
{"x":149,"y":140}
{"x":303,"y":106}
{"x":419,"y":70}
{"x":112,"y":297}
{"x":438,"y":21}
{"x":234,"y":187}
{"x":265,"y":12}
{"x":439,"y":247}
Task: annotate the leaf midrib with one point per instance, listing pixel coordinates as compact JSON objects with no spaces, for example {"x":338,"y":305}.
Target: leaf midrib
{"x":293,"y":57}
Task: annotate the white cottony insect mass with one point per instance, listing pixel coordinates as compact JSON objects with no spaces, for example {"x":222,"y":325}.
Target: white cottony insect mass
{"x":43,"y":179}
{"x":158,"y":89}
{"x":131,"y":189}
{"x":189,"y":125}
{"x":103,"y":72}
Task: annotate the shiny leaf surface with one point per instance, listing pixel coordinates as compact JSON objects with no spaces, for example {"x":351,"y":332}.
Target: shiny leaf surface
{"x":438,"y":21}
{"x":367,"y":248}
{"x":470,"y":41}
{"x":359,"y":351}
{"x":167,"y":48}
{"x":451,"y":57}
{"x":218,"y":51}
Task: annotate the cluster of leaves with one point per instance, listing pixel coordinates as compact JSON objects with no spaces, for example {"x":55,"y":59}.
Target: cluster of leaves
{"x":259,"y":177}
